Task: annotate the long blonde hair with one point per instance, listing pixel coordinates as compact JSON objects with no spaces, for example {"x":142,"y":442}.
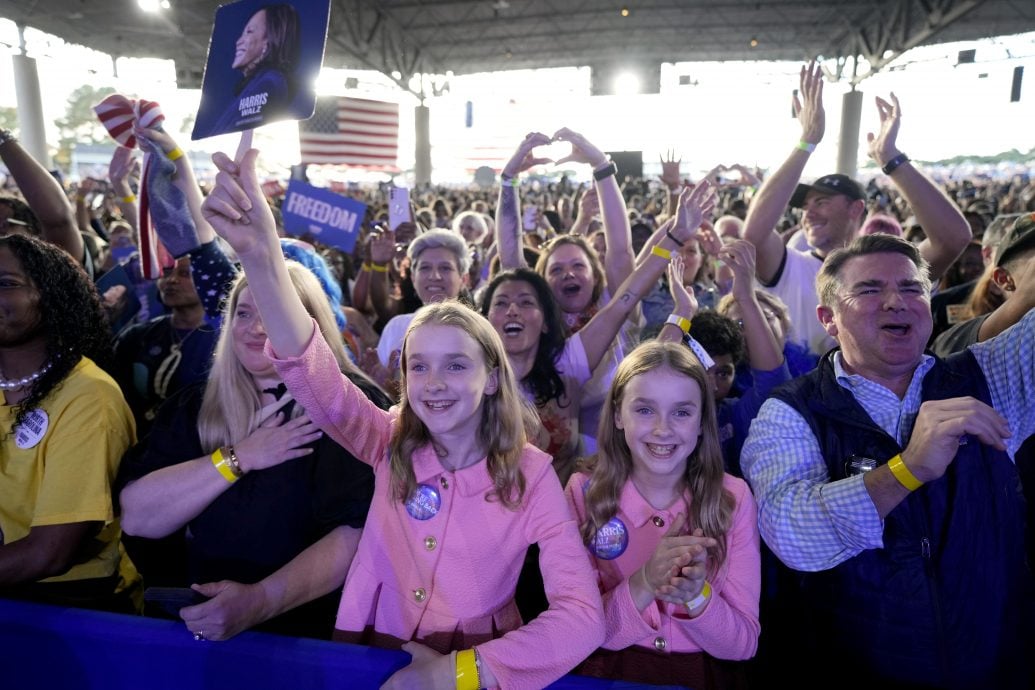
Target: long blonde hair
{"x":711,"y":505}
{"x":505,"y":414}
{"x":231,"y":403}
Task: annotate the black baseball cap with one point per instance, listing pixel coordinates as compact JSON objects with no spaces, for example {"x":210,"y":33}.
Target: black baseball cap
{"x":1018,"y":238}
{"x":829,"y":185}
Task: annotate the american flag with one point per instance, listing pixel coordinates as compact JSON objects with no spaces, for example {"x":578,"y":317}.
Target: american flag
{"x":351,"y":131}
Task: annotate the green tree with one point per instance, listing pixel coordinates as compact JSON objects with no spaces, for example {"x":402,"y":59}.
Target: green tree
{"x":8,"y":118}
{"x":80,"y":124}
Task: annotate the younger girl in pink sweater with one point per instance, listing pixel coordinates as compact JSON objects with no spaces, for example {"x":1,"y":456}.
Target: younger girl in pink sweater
{"x":674,"y":540}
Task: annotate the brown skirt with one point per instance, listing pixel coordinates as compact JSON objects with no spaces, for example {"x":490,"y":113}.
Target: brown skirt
{"x":695,"y":670}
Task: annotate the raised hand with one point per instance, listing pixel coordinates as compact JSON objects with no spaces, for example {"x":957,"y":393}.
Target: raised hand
{"x":381,"y":246}
{"x":809,"y":108}
{"x":694,"y":205}
{"x":670,"y":170}
{"x":524,"y":157}
{"x":237,"y":208}
{"x":157,"y":136}
{"x":582,"y":151}
{"x":882,"y":146}
{"x":684,"y":301}
{"x":120,"y":169}
{"x":739,"y":255}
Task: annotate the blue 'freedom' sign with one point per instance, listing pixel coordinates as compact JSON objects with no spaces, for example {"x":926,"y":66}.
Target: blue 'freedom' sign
{"x":328,"y":217}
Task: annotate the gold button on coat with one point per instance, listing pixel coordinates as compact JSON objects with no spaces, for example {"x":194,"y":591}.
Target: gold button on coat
{"x":430,"y":543}
{"x":660,"y":644}
{"x":420,"y":595}
{"x":659,"y":521}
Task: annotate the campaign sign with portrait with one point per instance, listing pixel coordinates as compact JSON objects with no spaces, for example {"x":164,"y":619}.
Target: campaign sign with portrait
{"x":263,"y":60}
{"x":326,"y":216}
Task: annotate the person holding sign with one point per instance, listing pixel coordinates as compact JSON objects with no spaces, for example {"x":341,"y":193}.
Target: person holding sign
{"x":459,"y":494}
{"x":64,"y":426}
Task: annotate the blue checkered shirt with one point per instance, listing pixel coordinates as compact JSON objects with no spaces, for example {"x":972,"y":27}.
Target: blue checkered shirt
{"x":813,"y":523}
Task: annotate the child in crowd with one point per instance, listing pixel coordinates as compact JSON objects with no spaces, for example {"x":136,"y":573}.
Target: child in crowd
{"x":674,"y":540}
{"x":459,"y":494}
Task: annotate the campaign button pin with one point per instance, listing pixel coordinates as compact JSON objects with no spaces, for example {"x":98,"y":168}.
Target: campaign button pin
{"x":611,"y":540}
{"x":424,"y":503}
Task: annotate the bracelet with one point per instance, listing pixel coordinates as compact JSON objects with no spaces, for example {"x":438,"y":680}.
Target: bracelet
{"x":467,"y":671}
{"x":677,"y":320}
{"x":701,"y":599}
{"x":662,"y":252}
{"x":6,"y":137}
{"x":219,"y":459}
{"x":128,"y":199}
{"x":702,"y":355}
{"x":506,"y":181}
{"x":175,"y":155}
{"x":807,"y":147}
{"x":903,"y":475}
{"x":235,"y":466}
{"x":892,"y":165}
{"x":605,"y":173}
{"x":668,"y":233}
{"x":378,"y":268}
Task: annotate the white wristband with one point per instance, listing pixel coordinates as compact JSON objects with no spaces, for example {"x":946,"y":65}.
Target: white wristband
{"x":701,"y":599}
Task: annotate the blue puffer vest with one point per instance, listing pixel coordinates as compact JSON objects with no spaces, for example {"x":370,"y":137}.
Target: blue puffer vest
{"x":948,"y":601}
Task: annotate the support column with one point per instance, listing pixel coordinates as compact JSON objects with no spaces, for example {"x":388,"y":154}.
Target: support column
{"x":31,"y":133}
{"x":848,"y":145}
{"x":422,"y":144}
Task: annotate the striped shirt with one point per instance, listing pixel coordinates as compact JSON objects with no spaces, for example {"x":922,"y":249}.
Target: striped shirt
{"x":813,"y":523}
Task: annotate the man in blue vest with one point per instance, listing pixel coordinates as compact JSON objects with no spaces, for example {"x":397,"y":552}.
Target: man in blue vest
{"x":885,"y":481}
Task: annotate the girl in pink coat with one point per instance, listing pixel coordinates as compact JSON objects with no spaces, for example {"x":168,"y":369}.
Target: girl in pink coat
{"x":459,"y":494}
{"x":673,"y":538}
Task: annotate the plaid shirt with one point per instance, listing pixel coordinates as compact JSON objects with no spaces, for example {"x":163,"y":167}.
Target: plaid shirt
{"x":813,"y":523}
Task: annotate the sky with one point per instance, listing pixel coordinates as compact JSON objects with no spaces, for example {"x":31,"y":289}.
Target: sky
{"x":734,"y":112}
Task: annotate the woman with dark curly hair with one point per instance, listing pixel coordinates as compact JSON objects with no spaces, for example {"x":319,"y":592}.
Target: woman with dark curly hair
{"x":64,"y":426}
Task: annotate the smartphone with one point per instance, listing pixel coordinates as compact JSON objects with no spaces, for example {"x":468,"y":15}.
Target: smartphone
{"x":398,"y":207}
{"x":170,"y":600}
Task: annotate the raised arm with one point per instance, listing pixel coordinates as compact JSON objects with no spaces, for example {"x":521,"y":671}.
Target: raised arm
{"x":671,"y":179}
{"x":765,"y":352}
{"x":947,"y":230}
{"x":617,"y":233}
{"x":769,"y":203}
{"x":124,"y":166}
{"x":184,"y":178}
{"x":44,"y":196}
{"x":694,"y":205}
{"x":238,"y":211}
{"x":508,"y":207}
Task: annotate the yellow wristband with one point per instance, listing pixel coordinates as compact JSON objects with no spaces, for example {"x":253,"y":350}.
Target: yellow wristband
{"x":903,"y":475}
{"x":379,"y":268}
{"x":129,"y":199}
{"x":806,"y":146}
{"x":223,"y":465}
{"x":467,"y":671}
{"x":662,"y":252}
{"x":676,"y":320}
{"x":701,"y":599}
{"x":175,"y":155}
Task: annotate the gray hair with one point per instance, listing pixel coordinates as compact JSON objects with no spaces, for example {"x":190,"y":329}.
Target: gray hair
{"x":447,"y":239}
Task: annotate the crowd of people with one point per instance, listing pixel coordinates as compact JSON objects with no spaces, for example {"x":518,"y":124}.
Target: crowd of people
{"x":714,"y":434}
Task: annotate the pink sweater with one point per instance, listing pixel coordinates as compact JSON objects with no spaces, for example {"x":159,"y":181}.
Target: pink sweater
{"x":728,"y":628}
{"x":449,"y":581}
